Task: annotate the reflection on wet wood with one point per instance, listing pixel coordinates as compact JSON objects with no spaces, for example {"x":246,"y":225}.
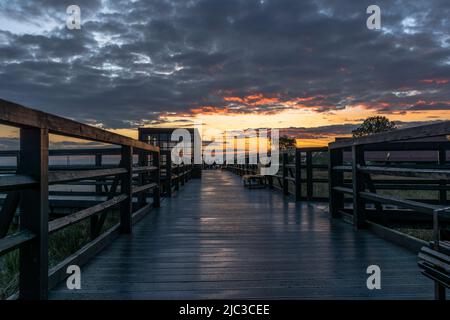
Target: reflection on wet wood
{"x":218,"y":240}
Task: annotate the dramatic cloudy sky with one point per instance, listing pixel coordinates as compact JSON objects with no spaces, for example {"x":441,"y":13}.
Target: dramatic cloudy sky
{"x":232,"y":63}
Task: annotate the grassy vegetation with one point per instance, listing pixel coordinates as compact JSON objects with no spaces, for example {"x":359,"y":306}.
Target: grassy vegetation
{"x":9,"y":277}
{"x":61,"y":245}
{"x":416,"y":232}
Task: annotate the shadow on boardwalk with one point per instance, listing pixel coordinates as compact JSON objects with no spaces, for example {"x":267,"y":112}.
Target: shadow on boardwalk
{"x":217,"y":240}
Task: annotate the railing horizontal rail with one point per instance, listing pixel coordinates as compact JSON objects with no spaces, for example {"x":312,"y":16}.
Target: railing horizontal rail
{"x":16,"y":182}
{"x":409,"y":204}
{"x":68,"y":176}
{"x":76,"y":217}
{"x":406,"y":172}
{"x":73,"y":152}
{"x":343,"y":168}
{"x":144,"y":187}
{"x":343,"y":190}
{"x":144,"y":169}
{"x":12,"y":242}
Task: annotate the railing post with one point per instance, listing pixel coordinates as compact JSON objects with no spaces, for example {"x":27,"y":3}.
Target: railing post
{"x":93,"y":220}
{"x":177,"y":178}
{"x":182,"y":169}
{"x":157,"y":178}
{"x":298,"y":175}
{"x":33,"y":283}
{"x":143,"y":162}
{"x":309,"y":176}
{"x":98,"y":164}
{"x":442,"y":160}
{"x":126,"y":206}
{"x":439,"y":289}
{"x":168,"y":175}
{"x":285,"y":174}
{"x":18,"y":159}
{"x":93,"y":227}
{"x":359,"y":206}
{"x":335,"y":179}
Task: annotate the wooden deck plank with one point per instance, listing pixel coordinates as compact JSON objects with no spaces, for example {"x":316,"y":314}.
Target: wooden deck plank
{"x":216,"y":240}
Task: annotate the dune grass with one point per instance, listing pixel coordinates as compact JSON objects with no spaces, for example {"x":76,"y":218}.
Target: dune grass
{"x":61,"y":245}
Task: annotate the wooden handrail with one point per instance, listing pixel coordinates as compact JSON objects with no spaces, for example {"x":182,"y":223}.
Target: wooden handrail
{"x":419,"y":132}
{"x":14,"y":241}
{"x":19,"y":116}
{"x":56,"y":177}
{"x":407,"y":172}
{"x":15,"y":182}
{"x":66,"y":221}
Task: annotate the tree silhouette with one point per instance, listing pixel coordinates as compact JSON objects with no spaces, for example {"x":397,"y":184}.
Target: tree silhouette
{"x":374,"y":125}
{"x":287,"y":142}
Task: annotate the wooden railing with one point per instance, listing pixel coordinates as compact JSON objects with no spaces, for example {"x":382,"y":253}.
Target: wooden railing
{"x":173,"y":175}
{"x":352,"y":176}
{"x":179,"y":173}
{"x":297,"y":175}
{"x":27,"y":187}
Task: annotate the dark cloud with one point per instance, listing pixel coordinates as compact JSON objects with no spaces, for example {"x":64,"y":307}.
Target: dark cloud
{"x":141,"y":60}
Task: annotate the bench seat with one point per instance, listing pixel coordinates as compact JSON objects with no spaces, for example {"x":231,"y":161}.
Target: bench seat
{"x":254,"y":181}
{"x":435,"y":264}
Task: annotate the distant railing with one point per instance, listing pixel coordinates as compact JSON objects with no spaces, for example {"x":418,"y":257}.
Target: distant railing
{"x":173,"y":175}
{"x":179,"y":175}
{"x":27,"y":187}
{"x":299,"y":173}
{"x":421,"y":168}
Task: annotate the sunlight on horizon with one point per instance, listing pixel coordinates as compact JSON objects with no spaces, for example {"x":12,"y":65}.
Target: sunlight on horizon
{"x":287,"y":119}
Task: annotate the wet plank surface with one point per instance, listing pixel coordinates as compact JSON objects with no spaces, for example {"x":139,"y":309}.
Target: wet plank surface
{"x":216,"y":240}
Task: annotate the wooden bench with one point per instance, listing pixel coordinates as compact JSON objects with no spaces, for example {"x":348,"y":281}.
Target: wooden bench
{"x":434,"y":260}
{"x":435,"y":264}
{"x":254,"y":181}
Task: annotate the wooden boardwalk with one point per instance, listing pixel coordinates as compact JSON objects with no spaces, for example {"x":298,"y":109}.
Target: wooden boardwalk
{"x":216,"y":240}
